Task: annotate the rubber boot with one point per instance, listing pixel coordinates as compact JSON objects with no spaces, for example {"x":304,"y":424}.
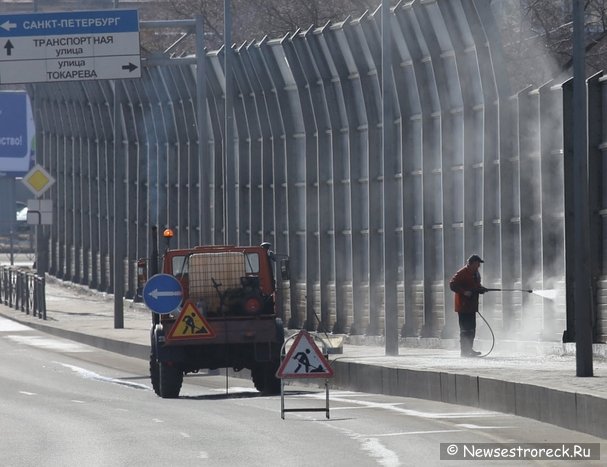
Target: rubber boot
{"x":466,"y":338}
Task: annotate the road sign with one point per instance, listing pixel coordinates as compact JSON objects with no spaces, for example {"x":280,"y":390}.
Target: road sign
{"x":69,"y":46}
{"x":162,"y":293}
{"x":304,"y":360}
{"x":38,"y":180}
{"x":39,"y":211}
{"x":190,"y":324}
{"x":17,"y":132}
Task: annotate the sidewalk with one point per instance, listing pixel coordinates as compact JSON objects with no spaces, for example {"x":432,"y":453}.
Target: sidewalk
{"x":535,"y":381}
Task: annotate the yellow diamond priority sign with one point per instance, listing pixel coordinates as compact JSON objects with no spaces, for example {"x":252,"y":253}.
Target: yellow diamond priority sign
{"x":38,"y":180}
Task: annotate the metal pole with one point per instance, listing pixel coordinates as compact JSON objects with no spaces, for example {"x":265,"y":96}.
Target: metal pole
{"x":389,"y":189}
{"x":229,"y":195}
{"x":119,"y":228}
{"x":201,"y":114}
{"x":582,"y":280}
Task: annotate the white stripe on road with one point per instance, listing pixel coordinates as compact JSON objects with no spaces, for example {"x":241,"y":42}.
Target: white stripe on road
{"x":429,"y":432}
{"x":377,"y":450}
{"x":12,"y":326}
{"x":481,"y":427}
{"x":413,"y":413}
{"x":87,"y":374}
{"x":49,"y":343}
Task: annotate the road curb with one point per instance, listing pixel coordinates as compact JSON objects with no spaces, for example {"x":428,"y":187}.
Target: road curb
{"x":574,"y":411}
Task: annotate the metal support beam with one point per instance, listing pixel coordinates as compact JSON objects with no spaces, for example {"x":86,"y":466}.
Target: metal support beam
{"x":119,"y":252}
{"x":582,"y":282}
{"x":390,"y":189}
{"x":229,"y":164}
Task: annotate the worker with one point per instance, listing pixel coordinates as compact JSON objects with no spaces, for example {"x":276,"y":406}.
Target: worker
{"x":466,"y":283}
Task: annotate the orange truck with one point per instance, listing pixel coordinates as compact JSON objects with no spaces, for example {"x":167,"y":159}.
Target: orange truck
{"x":227,"y":317}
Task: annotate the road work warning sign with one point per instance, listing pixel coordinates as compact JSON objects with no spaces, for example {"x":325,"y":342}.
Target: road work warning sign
{"x":304,"y":360}
{"x":190,"y":324}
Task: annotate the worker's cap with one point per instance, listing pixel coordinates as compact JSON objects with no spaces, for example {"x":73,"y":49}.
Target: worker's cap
{"x":475,"y":258}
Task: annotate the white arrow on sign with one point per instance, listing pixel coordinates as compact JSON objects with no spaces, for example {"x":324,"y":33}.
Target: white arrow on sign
{"x":157,"y":293}
{"x":7,"y":25}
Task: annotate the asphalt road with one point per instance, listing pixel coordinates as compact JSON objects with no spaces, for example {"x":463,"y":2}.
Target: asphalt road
{"x":67,"y":404}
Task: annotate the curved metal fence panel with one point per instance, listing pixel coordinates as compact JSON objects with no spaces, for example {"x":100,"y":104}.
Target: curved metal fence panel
{"x":476,"y":170}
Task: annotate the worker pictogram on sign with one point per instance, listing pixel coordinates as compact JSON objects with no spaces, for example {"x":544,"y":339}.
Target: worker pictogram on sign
{"x":304,"y":360}
{"x":190,"y":324}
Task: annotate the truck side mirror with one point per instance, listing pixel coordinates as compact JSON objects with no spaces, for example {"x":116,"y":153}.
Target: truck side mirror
{"x":285,"y":273}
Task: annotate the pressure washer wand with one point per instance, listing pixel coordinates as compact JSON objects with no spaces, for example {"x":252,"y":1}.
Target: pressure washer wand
{"x":510,"y":290}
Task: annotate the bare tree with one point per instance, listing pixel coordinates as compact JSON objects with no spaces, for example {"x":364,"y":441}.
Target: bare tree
{"x":537,"y":34}
{"x":538,"y":38}
{"x":255,"y":19}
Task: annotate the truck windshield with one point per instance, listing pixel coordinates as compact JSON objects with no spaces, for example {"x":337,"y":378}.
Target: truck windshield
{"x":180,"y":265}
{"x":251,"y":263}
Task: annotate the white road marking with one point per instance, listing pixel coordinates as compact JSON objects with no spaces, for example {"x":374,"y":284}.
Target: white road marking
{"x":203,"y":455}
{"x":235,"y":389}
{"x":76,"y":401}
{"x":49,"y":343}
{"x":27,"y":393}
{"x":404,"y":433}
{"x":12,"y":326}
{"x":87,"y":374}
{"x":377,"y":450}
{"x":185,"y":435}
{"x":371,"y":445}
{"x":480,"y":427}
{"x":413,"y":413}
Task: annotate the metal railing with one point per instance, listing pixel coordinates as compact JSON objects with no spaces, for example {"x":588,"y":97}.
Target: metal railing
{"x":23,"y":291}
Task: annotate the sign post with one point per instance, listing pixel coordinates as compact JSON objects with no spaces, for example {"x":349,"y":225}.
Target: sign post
{"x":69,"y":46}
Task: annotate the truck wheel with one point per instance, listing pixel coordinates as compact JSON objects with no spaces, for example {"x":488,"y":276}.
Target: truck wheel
{"x":170,"y":379}
{"x":154,"y":374}
{"x":264,"y":378}
{"x":272,"y":382}
{"x":154,"y":364}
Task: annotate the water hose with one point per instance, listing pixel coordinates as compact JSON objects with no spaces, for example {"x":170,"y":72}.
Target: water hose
{"x":487,"y":323}
{"x":492,"y":336}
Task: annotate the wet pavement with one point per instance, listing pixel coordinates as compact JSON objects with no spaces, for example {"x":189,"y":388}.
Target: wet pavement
{"x":532,"y":379}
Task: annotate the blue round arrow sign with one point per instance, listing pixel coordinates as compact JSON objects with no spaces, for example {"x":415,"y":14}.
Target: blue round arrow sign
{"x":162,"y":293}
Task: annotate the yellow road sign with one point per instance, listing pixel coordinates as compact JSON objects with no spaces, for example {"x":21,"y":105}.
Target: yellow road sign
{"x":38,"y":180}
{"x":190,"y":324}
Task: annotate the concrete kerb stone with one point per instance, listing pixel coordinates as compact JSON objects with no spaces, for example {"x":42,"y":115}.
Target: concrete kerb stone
{"x":591,"y":414}
{"x":466,"y":390}
{"x":496,"y":395}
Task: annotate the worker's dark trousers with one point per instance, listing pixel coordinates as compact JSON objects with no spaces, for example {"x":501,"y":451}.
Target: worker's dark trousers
{"x":467,"y":331}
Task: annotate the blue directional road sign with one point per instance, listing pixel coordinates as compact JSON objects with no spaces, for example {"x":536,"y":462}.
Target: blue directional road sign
{"x":162,"y":293}
{"x":69,"y":46}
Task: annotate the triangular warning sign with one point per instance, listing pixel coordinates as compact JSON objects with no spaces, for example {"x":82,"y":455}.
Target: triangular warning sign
{"x":304,"y":360}
{"x":190,"y":324}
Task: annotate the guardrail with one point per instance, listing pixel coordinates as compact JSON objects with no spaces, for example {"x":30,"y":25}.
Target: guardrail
{"x":23,"y":291}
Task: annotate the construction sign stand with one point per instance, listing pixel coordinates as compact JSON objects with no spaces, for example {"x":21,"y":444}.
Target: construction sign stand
{"x":304,"y":360}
